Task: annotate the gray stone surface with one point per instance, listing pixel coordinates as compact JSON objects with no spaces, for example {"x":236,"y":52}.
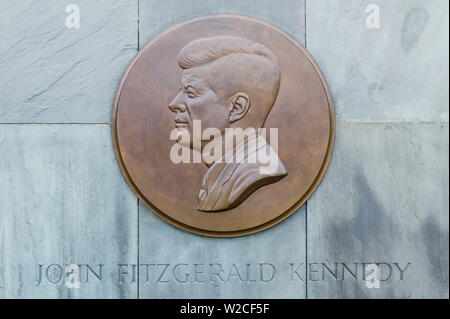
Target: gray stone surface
{"x":156,"y":16}
{"x":63,"y":201}
{"x":161,"y":244}
{"x":396,"y":73}
{"x":52,"y":74}
{"x":384,"y":199}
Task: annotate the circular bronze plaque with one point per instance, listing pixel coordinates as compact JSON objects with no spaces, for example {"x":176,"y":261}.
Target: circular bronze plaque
{"x":227,"y":72}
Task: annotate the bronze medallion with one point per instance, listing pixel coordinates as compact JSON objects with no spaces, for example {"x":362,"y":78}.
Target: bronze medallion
{"x":223,"y":125}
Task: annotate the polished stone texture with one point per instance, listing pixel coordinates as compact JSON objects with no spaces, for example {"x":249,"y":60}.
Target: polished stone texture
{"x":63,"y":201}
{"x":156,"y":16}
{"x":277,"y":247}
{"x":52,"y":74}
{"x":384,"y":198}
{"x":399,"y":72}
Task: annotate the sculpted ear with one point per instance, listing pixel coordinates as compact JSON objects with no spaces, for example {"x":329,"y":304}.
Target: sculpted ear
{"x":239,"y":105}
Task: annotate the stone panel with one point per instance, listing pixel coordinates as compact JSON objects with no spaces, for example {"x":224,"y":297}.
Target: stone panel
{"x":63,"y":201}
{"x":384,"y":199}
{"x":52,"y":74}
{"x":156,"y":16}
{"x":278,"y":252}
{"x":399,"y":72}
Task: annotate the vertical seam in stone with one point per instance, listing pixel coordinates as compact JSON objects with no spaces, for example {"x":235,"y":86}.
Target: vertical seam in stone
{"x":306,"y":250}
{"x":305,"y":22}
{"x":306,"y":205}
{"x":137,"y":199}
{"x":138,"y":22}
{"x":138,"y":262}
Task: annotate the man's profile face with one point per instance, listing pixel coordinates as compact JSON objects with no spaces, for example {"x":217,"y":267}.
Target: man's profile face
{"x":197,"y":100}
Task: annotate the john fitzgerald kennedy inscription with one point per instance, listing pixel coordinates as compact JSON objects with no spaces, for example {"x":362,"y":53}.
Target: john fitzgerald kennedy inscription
{"x":185,"y":273}
{"x":243,"y":142}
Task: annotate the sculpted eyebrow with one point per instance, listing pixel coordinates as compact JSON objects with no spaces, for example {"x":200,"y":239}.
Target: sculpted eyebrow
{"x":189,"y":86}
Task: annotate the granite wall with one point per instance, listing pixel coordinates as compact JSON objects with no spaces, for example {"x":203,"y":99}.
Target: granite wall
{"x":383,"y":200}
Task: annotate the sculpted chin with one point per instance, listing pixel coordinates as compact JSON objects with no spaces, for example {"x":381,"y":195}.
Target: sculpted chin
{"x":229,"y":82}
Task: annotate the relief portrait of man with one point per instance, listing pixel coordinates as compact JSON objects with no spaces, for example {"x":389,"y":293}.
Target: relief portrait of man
{"x":229,"y":83}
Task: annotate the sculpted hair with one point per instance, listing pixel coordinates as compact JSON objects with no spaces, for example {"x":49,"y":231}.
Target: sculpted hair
{"x":206,"y":50}
{"x":252,"y":67}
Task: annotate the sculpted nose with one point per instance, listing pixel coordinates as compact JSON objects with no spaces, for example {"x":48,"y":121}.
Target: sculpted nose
{"x":175,"y":106}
